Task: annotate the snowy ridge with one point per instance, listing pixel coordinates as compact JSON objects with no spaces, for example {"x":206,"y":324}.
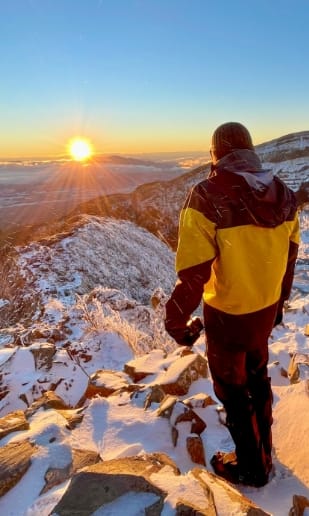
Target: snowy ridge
{"x":116,"y":254}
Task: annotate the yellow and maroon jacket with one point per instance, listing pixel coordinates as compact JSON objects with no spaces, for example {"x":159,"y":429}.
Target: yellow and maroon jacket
{"x":238,"y":241}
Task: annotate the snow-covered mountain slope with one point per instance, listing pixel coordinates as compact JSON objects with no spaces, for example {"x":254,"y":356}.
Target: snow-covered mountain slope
{"x":93,"y":252}
{"x":92,"y":321}
{"x":290,"y":146}
{"x":288,"y":157}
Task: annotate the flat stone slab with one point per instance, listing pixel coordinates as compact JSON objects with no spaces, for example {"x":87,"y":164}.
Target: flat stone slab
{"x":104,"y":482}
{"x":105,"y":382}
{"x":181,"y":373}
{"x":13,"y":422}
{"x":15,"y":459}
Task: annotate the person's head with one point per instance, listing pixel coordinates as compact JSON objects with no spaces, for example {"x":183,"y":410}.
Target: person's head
{"x":229,"y":137}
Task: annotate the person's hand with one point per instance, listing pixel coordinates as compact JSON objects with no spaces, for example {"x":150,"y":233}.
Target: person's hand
{"x":185,"y":335}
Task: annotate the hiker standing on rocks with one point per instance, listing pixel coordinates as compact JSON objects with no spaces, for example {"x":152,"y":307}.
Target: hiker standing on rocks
{"x":237,"y":247}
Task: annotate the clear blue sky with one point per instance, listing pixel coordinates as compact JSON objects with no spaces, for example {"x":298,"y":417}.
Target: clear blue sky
{"x":147,"y":75}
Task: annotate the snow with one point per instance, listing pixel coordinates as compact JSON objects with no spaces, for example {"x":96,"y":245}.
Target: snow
{"x":99,"y":313}
{"x":119,"y":426}
{"x":130,"y":503}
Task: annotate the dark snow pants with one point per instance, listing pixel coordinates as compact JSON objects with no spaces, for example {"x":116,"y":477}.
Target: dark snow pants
{"x":237,"y":351}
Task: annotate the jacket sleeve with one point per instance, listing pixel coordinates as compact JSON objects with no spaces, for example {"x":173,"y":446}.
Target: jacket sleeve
{"x":195,"y":253}
{"x":289,"y":273}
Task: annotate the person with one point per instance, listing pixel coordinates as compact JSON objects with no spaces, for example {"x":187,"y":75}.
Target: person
{"x":237,"y":246}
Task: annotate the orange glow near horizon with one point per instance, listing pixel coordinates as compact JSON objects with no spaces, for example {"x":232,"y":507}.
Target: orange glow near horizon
{"x":80,"y":149}
{"x":62,"y":146}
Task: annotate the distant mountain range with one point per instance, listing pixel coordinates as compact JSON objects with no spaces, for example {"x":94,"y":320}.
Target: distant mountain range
{"x":155,"y":206}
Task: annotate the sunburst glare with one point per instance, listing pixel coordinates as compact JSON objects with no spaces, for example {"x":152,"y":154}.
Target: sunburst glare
{"x":80,"y":149}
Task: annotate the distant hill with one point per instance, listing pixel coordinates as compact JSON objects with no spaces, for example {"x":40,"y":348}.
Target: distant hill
{"x":288,"y":147}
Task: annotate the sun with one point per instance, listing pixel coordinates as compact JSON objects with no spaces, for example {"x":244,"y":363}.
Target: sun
{"x":80,"y":149}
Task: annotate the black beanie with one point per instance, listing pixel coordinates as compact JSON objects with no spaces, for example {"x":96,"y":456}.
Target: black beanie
{"x":228,"y":137}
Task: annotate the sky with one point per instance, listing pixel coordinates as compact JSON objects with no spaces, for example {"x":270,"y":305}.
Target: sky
{"x":142,"y":76}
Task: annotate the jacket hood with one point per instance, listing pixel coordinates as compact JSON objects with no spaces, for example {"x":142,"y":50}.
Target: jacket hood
{"x":266,"y":199}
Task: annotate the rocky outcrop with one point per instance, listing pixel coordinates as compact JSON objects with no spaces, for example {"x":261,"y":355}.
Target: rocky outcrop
{"x":157,"y":476}
{"x":105,"y":482}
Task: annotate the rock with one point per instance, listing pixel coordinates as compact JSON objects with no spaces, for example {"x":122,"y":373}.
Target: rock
{"x":15,"y":459}
{"x":181,"y":373}
{"x":298,"y":367}
{"x":175,"y":435}
{"x":166,"y":406}
{"x":283,"y":372}
{"x":221,"y":415}
{"x":158,"y":298}
{"x":225,"y":495}
{"x":186,"y":414}
{"x":188,"y":509}
{"x":300,"y":503}
{"x":145,"y":365}
{"x":80,"y":459}
{"x":200,"y":400}
{"x":49,"y":400}
{"x":178,"y":412}
{"x":43,"y":353}
{"x":104,"y":383}
{"x":73,"y":417}
{"x":105,"y":482}
{"x":156,"y":395}
{"x":181,"y":413}
{"x":196,"y":449}
{"x":83,"y":458}
{"x":13,"y":422}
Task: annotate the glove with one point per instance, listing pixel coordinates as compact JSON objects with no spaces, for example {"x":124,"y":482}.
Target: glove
{"x":185,"y":335}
